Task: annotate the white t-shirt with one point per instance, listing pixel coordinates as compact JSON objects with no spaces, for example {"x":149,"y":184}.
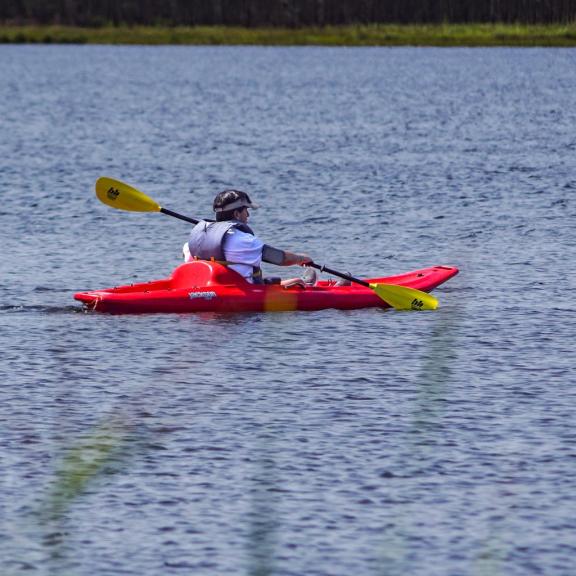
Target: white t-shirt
{"x":240,"y":247}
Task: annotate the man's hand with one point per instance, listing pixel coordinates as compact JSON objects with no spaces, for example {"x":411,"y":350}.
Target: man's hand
{"x":292,"y":259}
{"x":304,"y":259}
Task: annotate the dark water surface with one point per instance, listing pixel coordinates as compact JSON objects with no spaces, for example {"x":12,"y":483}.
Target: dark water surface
{"x":330,"y":443}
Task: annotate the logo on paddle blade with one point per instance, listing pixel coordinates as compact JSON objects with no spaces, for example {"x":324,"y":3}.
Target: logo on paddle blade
{"x":416,"y":304}
{"x":113,"y":193}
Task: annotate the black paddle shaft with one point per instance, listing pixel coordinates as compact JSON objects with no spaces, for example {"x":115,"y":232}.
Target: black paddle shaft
{"x":179,"y":216}
{"x":339,"y":274}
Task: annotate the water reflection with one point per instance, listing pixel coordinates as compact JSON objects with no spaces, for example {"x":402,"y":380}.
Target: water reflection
{"x":263,"y":517}
{"x":421,"y":442}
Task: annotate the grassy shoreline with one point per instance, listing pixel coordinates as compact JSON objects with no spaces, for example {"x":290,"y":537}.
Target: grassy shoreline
{"x":366,"y":35}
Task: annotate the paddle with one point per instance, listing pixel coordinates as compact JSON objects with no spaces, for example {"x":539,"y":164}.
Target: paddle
{"x":122,"y":196}
{"x":125,"y":197}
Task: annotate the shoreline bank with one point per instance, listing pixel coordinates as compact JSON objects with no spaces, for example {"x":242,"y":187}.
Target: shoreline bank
{"x":464,"y":35}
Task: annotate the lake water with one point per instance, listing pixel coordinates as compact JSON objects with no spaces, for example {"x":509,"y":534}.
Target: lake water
{"x":366,"y":442}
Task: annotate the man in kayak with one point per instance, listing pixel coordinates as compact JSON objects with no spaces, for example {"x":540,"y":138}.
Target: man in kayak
{"x":230,"y":239}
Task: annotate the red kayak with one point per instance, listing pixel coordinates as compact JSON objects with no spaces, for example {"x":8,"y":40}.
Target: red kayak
{"x":202,"y":286}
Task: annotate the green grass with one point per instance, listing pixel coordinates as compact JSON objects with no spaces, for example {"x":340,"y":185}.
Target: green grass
{"x":368,"y":35}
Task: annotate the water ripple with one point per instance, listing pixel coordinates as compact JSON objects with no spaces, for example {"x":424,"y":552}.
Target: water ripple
{"x":331,"y":442}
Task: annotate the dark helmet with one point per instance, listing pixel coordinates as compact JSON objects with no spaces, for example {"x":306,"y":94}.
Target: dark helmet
{"x":232,"y":200}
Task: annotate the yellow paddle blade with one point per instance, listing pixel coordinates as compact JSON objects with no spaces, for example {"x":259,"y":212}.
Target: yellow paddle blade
{"x":124,"y":197}
{"x":404,"y":298}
